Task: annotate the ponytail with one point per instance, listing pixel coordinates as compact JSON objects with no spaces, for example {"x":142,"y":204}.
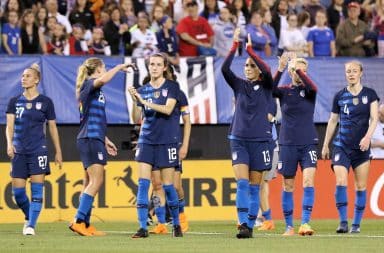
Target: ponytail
{"x":82,"y":74}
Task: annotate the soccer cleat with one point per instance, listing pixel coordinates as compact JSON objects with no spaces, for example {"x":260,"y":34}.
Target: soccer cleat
{"x":141,"y":233}
{"x":176,"y":231}
{"x":244,"y":232}
{"x":305,"y":229}
{"x":79,"y":228}
{"x":183,"y":222}
{"x":267,"y":225}
{"x":342,"y":228}
{"x":159,"y":229}
{"x":355,"y":229}
{"x":25,"y":227}
{"x":91,"y":229}
{"x":29,"y":231}
{"x":259,"y":222}
{"x":289,"y":231}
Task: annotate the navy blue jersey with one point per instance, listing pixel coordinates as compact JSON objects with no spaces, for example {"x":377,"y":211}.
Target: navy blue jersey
{"x":252,"y":98}
{"x":297,"y":108}
{"x":93,"y":120}
{"x":159,"y":128}
{"x":30,"y":119}
{"x":354,"y":113}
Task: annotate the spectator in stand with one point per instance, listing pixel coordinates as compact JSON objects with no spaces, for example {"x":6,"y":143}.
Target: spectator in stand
{"x":336,"y":13}
{"x":196,"y":35}
{"x":279,"y":19}
{"x":32,"y":39}
{"x":59,"y":42}
{"x":241,"y":15}
{"x":104,"y":17}
{"x":180,"y":9}
{"x":312,"y":7}
{"x":98,"y":45}
{"x":211,"y":11}
{"x":77,"y":43}
{"x":41,"y":18}
{"x":259,"y":36}
{"x":96,"y":7}
{"x":168,"y":41}
{"x":81,"y":14}
{"x":303,"y":21}
{"x":156,"y":15}
{"x":10,"y":35}
{"x":295,"y":6}
{"x":267,"y":19}
{"x":48,"y":33}
{"x":116,"y":33}
{"x":12,"y":5}
{"x":257,"y":5}
{"x":128,"y":12}
{"x":143,"y":40}
{"x":350,"y":39}
{"x":378,"y":26}
{"x":292,"y":40}
{"x":377,"y":141}
{"x":321,"y":40}
{"x":52,"y":8}
{"x":62,"y":6}
{"x":224,"y":29}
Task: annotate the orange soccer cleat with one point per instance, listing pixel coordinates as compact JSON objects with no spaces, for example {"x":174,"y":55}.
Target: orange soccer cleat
{"x":80,"y":228}
{"x":159,"y":229}
{"x":305,"y":229}
{"x":183,"y":222}
{"x":289,"y":231}
{"x":267,"y":225}
{"x":94,"y":231}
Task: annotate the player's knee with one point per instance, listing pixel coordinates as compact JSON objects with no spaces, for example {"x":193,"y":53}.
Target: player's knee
{"x":360,"y":186}
{"x":308,"y":182}
{"x":157,"y":186}
{"x":342,"y":181}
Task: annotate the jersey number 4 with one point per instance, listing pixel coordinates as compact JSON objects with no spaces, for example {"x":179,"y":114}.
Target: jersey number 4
{"x":346,"y":110}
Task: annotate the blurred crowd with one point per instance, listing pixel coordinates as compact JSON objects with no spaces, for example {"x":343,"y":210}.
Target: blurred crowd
{"x":139,"y":28}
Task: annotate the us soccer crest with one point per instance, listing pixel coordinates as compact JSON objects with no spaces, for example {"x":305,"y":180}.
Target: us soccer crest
{"x":28,"y":106}
{"x":38,"y":106}
{"x":164,"y":92}
{"x":337,"y":157}
{"x":364,"y":100}
{"x":256,"y":87}
{"x":302,"y":93}
{"x":156,"y":94}
{"x":355,"y":101}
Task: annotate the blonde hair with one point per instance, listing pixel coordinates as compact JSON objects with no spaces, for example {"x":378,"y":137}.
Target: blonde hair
{"x":297,"y":60}
{"x":356,"y":63}
{"x":35,"y":67}
{"x":85,"y":70}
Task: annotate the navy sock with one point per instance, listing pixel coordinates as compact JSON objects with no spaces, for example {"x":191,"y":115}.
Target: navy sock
{"x":253,"y":204}
{"x":85,"y":206}
{"x":341,"y":202}
{"x":360,"y":200}
{"x":288,"y":208}
{"x":181,"y":205}
{"x":22,"y":200}
{"x":173,"y":202}
{"x":308,"y":199}
{"x":36,"y":203}
{"x":242,"y":200}
{"x":267,"y":214}
{"x":142,"y":202}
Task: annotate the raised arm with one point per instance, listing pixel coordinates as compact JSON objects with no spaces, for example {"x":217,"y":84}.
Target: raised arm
{"x":283,"y":62}
{"x":228,"y":74}
{"x":107,"y":76}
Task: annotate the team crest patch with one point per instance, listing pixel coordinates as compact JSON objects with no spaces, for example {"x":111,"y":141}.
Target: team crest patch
{"x":100,"y":156}
{"x":256,"y":87}
{"x":164,"y":92}
{"x":234,"y":156}
{"x":302,"y":93}
{"x":38,"y":106}
{"x":279,"y":165}
{"x":28,"y":106}
{"x":364,"y":100}
{"x":337,"y":157}
{"x":156,"y":94}
{"x":355,"y":101}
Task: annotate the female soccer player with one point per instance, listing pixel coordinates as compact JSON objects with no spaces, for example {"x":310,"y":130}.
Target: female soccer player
{"x":298,"y":139}
{"x":250,"y":133}
{"x":158,"y":192}
{"x":355,"y":108}
{"x":27,"y":115}
{"x":92,"y":141}
{"x":158,"y":140}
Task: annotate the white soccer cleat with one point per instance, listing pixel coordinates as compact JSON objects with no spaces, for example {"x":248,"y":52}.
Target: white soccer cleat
{"x":29,"y":231}
{"x":25,"y":227}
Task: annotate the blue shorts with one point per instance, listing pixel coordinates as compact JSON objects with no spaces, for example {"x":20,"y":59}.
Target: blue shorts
{"x":159,"y":156}
{"x":92,"y":151}
{"x":292,"y":155}
{"x":349,"y":157}
{"x":255,"y":154}
{"x":25,"y":165}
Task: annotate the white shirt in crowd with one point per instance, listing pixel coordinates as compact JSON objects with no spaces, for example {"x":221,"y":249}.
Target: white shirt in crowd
{"x":378,"y":135}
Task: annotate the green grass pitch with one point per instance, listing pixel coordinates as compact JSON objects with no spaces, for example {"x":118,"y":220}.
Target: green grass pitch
{"x":210,"y":237}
